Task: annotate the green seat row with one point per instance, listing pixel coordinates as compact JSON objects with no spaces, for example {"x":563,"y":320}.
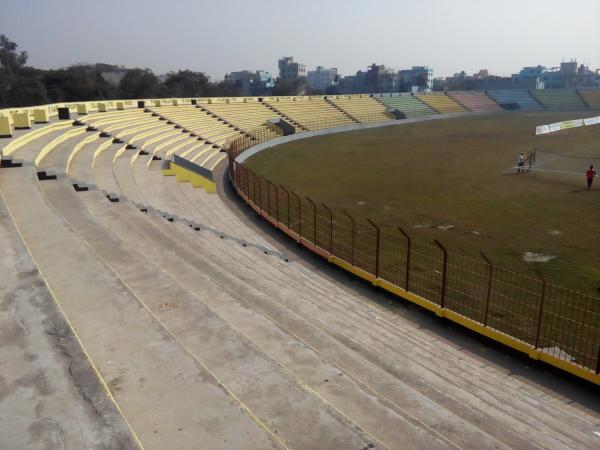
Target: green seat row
{"x":409,"y":105}
{"x":559,"y":99}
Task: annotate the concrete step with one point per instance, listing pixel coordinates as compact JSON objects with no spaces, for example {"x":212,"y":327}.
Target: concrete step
{"x":241,"y":366}
{"x":350,"y":399}
{"x":157,"y":389}
{"x":51,"y":395}
{"x":472,"y":433}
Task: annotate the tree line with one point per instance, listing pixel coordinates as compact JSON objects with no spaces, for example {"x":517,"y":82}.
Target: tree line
{"x":23,"y":85}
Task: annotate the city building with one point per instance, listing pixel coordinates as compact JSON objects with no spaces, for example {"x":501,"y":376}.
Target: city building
{"x":290,"y":70}
{"x":320,"y":78}
{"x":419,"y":78}
{"x":531,"y":77}
{"x":382,"y":79}
{"x":258,"y":82}
{"x":568,"y":75}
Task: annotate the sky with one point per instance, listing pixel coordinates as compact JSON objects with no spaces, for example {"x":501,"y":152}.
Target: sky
{"x":217,"y":37}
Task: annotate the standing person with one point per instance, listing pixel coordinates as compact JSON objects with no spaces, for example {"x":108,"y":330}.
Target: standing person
{"x":590,"y":174}
{"x":521,"y":163}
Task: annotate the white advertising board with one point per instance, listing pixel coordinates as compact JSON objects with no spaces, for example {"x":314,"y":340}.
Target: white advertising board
{"x":571,"y":124}
{"x":554,"y":127}
{"x":558,"y":126}
{"x":542,"y":129}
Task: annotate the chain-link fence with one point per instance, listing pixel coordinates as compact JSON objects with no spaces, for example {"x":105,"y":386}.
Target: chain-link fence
{"x":555,"y":320}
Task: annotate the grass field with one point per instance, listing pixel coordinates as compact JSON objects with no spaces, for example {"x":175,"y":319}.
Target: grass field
{"x":453,"y":180}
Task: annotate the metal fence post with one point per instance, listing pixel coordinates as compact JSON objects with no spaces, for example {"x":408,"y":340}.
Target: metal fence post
{"x":259,"y":196}
{"x":250,"y":184}
{"x":276,"y":203}
{"x":268,"y":197}
{"x":256,"y":191}
{"x":444,"y":273}
{"x":542,"y":298}
{"x":288,"y":204}
{"x":253,"y":188}
{"x":489,"y":289}
{"x":247,"y":180}
{"x":299,"y":213}
{"x":330,"y":227}
{"x":353,"y":229}
{"x":408,"y":245}
{"x":314,"y":219}
{"x":377,"y":240}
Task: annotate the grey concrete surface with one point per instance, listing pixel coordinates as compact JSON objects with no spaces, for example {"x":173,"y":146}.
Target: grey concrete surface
{"x":239,"y":364}
{"x":168,"y":397}
{"x":50,"y":395}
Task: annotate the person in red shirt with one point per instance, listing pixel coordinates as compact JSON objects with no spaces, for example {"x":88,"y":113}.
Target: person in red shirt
{"x":590,"y":174}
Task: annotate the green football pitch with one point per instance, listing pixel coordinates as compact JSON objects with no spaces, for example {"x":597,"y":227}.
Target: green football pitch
{"x":455,"y":180}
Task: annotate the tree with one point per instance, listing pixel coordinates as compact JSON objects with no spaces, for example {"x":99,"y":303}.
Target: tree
{"x":292,"y":87}
{"x":11,"y":61}
{"x":77,"y":83}
{"x":21,"y":85}
{"x":26,"y":91}
{"x":186,"y":83}
{"x":138,"y":83}
{"x":225,"y":89}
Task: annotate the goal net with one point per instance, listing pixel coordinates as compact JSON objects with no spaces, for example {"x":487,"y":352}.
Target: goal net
{"x":574,"y":162}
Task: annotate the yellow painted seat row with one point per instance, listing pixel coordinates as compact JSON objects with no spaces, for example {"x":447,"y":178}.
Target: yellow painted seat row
{"x":364,"y":109}
{"x":311,"y":113}
{"x":441,"y":103}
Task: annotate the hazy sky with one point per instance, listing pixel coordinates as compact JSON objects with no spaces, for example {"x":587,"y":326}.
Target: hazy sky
{"x":221,"y":36}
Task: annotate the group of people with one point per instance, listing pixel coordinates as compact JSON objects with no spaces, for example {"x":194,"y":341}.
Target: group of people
{"x":521,"y":163}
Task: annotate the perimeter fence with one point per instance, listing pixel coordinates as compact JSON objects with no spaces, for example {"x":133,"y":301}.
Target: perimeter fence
{"x":494,"y":300}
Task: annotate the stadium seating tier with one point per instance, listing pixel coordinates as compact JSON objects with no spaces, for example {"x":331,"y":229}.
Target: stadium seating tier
{"x":311,"y":112}
{"x":592,"y":98}
{"x":410,"y":106}
{"x":559,"y":99}
{"x":475,"y":101}
{"x":363,"y":109}
{"x":514,"y":99}
{"x":441,"y":103}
